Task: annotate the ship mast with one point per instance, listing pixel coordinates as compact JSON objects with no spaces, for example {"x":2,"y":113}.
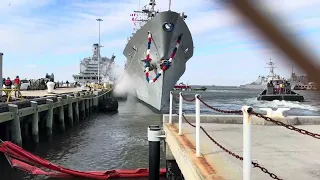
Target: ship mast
{"x":152,"y":4}
{"x":146,"y":13}
{"x":271,"y":67}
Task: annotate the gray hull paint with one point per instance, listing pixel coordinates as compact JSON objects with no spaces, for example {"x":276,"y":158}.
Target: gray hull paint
{"x":262,"y":86}
{"x":256,"y":86}
{"x":157,"y":94}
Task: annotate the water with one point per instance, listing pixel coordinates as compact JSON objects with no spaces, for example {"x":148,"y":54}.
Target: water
{"x":234,"y":98}
{"x":107,"y":141}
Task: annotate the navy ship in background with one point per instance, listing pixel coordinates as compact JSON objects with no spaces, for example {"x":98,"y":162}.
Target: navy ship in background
{"x":262,"y":81}
{"x":157,"y":53}
{"x":89,"y":68}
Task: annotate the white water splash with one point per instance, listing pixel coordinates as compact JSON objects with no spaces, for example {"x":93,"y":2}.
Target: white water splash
{"x":279,"y":104}
{"x":124,"y":86}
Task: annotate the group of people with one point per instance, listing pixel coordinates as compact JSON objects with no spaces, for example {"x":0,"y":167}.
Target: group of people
{"x":16,"y":83}
{"x":279,"y":87}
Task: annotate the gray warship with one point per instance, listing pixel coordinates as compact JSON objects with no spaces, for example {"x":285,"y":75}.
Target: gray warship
{"x":157,"y":53}
{"x":262,"y":81}
{"x":89,"y":68}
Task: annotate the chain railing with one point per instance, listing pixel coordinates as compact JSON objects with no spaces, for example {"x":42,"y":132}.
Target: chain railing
{"x":247,"y":112}
{"x":290,"y":127}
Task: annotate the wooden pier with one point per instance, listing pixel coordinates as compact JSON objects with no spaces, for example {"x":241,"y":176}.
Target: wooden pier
{"x":64,"y":108}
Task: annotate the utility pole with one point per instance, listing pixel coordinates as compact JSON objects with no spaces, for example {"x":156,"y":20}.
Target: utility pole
{"x":99,"y":20}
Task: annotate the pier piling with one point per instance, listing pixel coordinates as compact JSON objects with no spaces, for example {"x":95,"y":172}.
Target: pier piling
{"x":95,"y":101}
{"x":90,"y":102}
{"x":173,"y":171}
{"x":154,"y":132}
{"x":26,"y":131}
{"x":87,"y":106}
{"x":15,"y":125}
{"x":70,"y":112}
{"x":82,"y":107}
{"x":35,"y":122}
{"x":61,"y":114}
{"x":49,"y":119}
{"x":76,"y":109}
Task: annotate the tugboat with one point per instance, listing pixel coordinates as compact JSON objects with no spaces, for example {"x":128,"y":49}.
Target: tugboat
{"x":181,"y":86}
{"x":279,"y":90}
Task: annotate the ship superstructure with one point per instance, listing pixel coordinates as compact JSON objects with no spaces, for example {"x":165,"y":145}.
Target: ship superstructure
{"x":89,"y":68}
{"x":262,"y":81}
{"x":157,"y":53}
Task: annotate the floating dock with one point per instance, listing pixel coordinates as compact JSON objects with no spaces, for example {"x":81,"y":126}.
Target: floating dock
{"x":30,"y":117}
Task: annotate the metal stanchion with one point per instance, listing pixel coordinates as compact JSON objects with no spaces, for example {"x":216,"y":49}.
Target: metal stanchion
{"x":154,"y":133}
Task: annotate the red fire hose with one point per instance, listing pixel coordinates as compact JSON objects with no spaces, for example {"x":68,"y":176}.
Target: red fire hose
{"x":25,"y":161}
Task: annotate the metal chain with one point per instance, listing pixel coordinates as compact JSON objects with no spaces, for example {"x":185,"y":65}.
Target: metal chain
{"x":290,"y":127}
{"x":255,"y":164}
{"x":188,"y":100}
{"x":279,"y":123}
{"x":220,"y":110}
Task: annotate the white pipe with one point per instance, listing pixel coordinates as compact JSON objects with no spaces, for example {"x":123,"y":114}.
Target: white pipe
{"x":247,"y":130}
{"x":197,"y":125}
{"x":180,"y":113}
{"x":170,"y":108}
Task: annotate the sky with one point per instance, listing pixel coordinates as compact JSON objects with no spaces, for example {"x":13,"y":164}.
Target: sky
{"x":52,"y":36}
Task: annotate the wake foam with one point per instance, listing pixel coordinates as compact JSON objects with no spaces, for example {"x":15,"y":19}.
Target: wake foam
{"x":279,"y":104}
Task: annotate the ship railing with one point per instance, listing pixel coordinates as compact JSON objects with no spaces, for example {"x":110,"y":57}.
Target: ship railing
{"x":247,"y":113}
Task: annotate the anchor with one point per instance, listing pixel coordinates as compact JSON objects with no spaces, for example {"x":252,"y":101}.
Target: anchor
{"x":166,"y":63}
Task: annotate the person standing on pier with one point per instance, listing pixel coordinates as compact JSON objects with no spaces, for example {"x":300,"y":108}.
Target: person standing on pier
{"x":8,"y":83}
{"x":17,"y":84}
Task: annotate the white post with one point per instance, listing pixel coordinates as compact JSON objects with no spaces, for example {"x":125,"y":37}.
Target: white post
{"x":180,"y":113}
{"x":197,"y":125}
{"x":170,"y":108}
{"x":247,"y":125}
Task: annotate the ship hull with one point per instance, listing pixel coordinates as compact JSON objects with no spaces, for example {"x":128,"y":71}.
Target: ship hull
{"x":157,"y":94}
{"x":260,"y":86}
{"x":256,"y":86}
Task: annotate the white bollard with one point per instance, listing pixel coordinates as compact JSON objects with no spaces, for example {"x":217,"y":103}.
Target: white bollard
{"x":50,"y":86}
{"x":275,"y":114}
{"x":197,"y":96}
{"x":180,"y":113}
{"x":247,"y":130}
{"x":170,"y":108}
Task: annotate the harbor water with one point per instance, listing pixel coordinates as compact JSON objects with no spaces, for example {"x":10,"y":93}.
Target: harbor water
{"x":119,"y":141}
